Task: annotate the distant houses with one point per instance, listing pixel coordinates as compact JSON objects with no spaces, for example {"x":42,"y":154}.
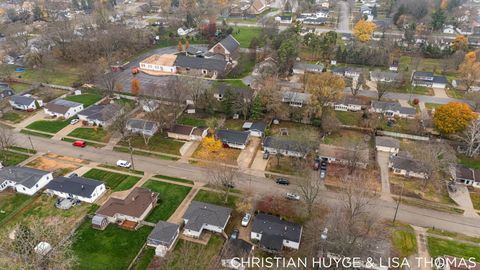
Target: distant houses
{"x":428,"y":79}
{"x":63,"y":108}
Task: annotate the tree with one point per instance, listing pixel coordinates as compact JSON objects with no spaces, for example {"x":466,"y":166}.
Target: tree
{"x":471,"y":138}
{"x":257,"y":108}
{"x":363,"y":30}
{"x":224,"y":178}
{"x":438,"y":19}
{"x":7,"y":139}
{"x":452,"y":117}
{"x":180,"y":46}
{"x":227,"y":104}
{"x":469,"y":71}
{"x":119,"y":126}
{"x":475,"y":97}
{"x":330,"y":123}
{"x":324,"y":89}
{"x":374,"y":11}
{"x":460,"y":43}
{"x":135,"y":87}
{"x":383,"y":88}
{"x":37,"y":13}
{"x":309,"y":186}
{"x":214,"y":123}
{"x":271,"y":96}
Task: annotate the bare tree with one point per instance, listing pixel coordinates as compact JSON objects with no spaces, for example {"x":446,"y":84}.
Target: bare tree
{"x":21,"y":250}
{"x":197,"y":87}
{"x":383,"y":88}
{"x":330,"y":123}
{"x":471,"y":138}
{"x":309,"y":186}
{"x":7,"y":139}
{"x":119,"y":125}
{"x":224,"y":178}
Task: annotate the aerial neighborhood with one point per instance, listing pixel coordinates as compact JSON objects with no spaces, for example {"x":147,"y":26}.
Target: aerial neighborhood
{"x":243,"y":134}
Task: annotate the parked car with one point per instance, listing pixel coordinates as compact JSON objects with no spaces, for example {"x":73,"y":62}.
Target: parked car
{"x":79,"y":143}
{"x":74,"y":121}
{"x":123,"y":163}
{"x":316,"y":165}
{"x":323,"y":165}
{"x":282,"y":181}
{"x":235,"y":234}
{"x":266,"y":155}
{"x":246,"y":219}
{"x":229,"y":185}
{"x":73,"y":175}
{"x":323,"y":173}
{"x":293,"y":196}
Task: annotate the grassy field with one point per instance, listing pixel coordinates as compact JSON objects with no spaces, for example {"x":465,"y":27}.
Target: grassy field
{"x":345,"y":137}
{"x":469,"y":162}
{"x":431,"y":106}
{"x":15,"y":116}
{"x":113,"y":248}
{"x":92,"y":134}
{"x":211,"y":250}
{"x":11,"y":202}
{"x":410,"y":126}
{"x":439,"y":247}
{"x":115,"y":181}
{"x":9,"y":158}
{"x":404,"y":242}
{"x":244,"y":35}
{"x":85,"y":99}
{"x":59,"y":74}
{"x":349,"y":118}
{"x":475,"y":197}
{"x":414,"y":188}
{"x":215,"y":198}
{"x":24,"y":150}
{"x":33,"y":133}
{"x":454,"y":235}
{"x":143,"y":153}
{"x":19,"y":87}
{"x":49,"y":126}
{"x":144,"y":259}
{"x":246,"y":64}
{"x":170,"y":197}
{"x":157,"y":143}
{"x":176,"y":179}
{"x":114,"y":167}
{"x":190,"y":121}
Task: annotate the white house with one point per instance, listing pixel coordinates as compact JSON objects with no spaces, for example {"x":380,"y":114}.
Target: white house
{"x":350,"y":103}
{"x":163,"y":237}
{"x":233,"y":138}
{"x":183,"y":31}
{"x":284,"y":19}
{"x":449,"y":29}
{"x":467,"y":176}
{"x":23,"y":179}
{"x":274,"y":233}
{"x":80,"y":188}
{"x":25,"y":103}
{"x":63,"y":108}
{"x":285,"y":147}
{"x":140,"y":126}
{"x":159,"y":64}
{"x":204,"y":216}
{"x":406,"y":166}
{"x":393,"y":109}
{"x":387,"y":144}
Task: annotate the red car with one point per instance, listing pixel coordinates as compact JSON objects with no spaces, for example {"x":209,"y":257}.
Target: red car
{"x":79,"y":143}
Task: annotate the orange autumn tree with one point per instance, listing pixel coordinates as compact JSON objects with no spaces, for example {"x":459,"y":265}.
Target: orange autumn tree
{"x":363,"y":30}
{"x":453,"y":117}
{"x":211,"y":148}
{"x":135,"y":87}
{"x":187,"y":44}
{"x":469,"y":70}
{"x":460,"y":43}
{"x":180,"y":46}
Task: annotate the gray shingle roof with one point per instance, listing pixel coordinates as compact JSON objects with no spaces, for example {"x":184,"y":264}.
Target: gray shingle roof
{"x":260,"y":126}
{"x":393,"y":106}
{"x":232,"y":136}
{"x":163,"y":233}
{"x":61,"y":105}
{"x":286,"y":144}
{"x":101,"y":112}
{"x":78,"y":186}
{"x":223,"y":87}
{"x":200,"y":213}
{"x":440,"y":79}
{"x":22,"y":100}
{"x":406,"y":163}
{"x":296,"y":97}
{"x":25,"y":176}
{"x":141,"y":124}
{"x":307,"y":66}
{"x":230,"y":43}
{"x":423,"y":74}
{"x":387,"y":142}
{"x":200,"y":63}
{"x":276,"y":229}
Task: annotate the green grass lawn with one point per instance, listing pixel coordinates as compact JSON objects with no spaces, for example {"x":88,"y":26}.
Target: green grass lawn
{"x":158,"y":143}
{"x":13,"y":117}
{"x":431,"y":106}
{"x":475,"y":197}
{"x":345,"y":137}
{"x":85,"y":99}
{"x":414,"y":90}
{"x":209,"y":251}
{"x":404,"y":242}
{"x":33,"y":133}
{"x":402,"y":125}
{"x":455,"y":93}
{"x":190,"y":121}
{"x":113,"y":167}
{"x":454,"y":235}
{"x":170,"y":197}
{"x":246,"y":64}
{"x":176,"y":179}
{"x":143,"y":153}
{"x":144,"y":259}
{"x":232,"y":82}
{"x":439,"y":247}
{"x":49,"y":126}
{"x":20,"y":87}
{"x":59,"y":74}
{"x":10,"y":203}
{"x":9,"y":158}
{"x":234,"y":124}
{"x":24,"y":150}
{"x":115,"y":181}
{"x":92,"y":134}
{"x":215,"y":198}
{"x":113,"y":248}
{"x":349,"y":118}
{"x":469,"y":162}
{"x":244,"y":35}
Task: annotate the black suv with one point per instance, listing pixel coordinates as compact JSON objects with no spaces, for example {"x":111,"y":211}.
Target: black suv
{"x":282,"y":181}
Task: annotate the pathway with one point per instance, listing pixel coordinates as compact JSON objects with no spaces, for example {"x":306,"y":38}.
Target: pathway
{"x":65,"y":131}
{"x":439,"y":92}
{"x":190,"y":149}
{"x":113,"y":142}
{"x":382,"y":159}
{"x":177,"y":216}
{"x":39,"y":115}
{"x":462,"y":198}
{"x":344,"y":17}
{"x":247,"y":155}
{"x":421,"y":235}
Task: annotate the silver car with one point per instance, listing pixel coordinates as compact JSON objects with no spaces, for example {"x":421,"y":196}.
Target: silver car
{"x":246,"y":219}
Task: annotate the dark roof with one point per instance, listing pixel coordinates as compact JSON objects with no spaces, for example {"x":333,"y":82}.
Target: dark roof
{"x":353,"y":100}
{"x":134,"y":205}
{"x":406,"y":163}
{"x":423,"y":74}
{"x":440,"y":79}
{"x":223,"y":87}
{"x":230,"y":43}
{"x":307,"y":66}
{"x":200,"y":63}
{"x":194,"y":50}
{"x":22,"y":100}
{"x":80,"y":186}
{"x":339,"y":70}
{"x":387,"y":142}
{"x":232,"y":136}
{"x":286,"y":144}
{"x":275,"y":229}
{"x":25,"y":176}
{"x":260,"y":126}
{"x":181,"y":129}
{"x":61,"y":105}
{"x":101,"y":112}
{"x":236,"y":248}
{"x":141,"y":124}
{"x":199,"y":213}
{"x":164,"y":232}
{"x":285,"y":17}
{"x":393,"y":106}
{"x":464,"y":173}
{"x":6,"y":92}
{"x":271,"y":242}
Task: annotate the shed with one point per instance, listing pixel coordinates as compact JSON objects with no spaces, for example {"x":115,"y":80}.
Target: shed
{"x":43,"y":248}
{"x":99,"y":222}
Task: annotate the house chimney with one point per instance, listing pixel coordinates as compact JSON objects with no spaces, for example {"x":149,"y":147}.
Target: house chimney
{"x":83,"y":187}
{"x":285,"y":228}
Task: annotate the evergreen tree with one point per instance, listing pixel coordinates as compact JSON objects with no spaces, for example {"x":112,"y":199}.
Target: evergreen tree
{"x":227,"y":103}
{"x":257,"y":109}
{"x":37,"y":12}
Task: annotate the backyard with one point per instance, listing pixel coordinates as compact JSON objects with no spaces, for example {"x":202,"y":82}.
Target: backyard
{"x":349,"y":118}
{"x":113,"y":248}
{"x":10,"y":203}
{"x":92,"y":134}
{"x":60,"y":74}
{"x":346,"y":137}
{"x":439,"y":247}
{"x":15,"y":116}
{"x":191,"y":121}
{"x":244,"y":35}
{"x":115,"y":181}
{"x":170,"y":197}
{"x":404,"y":241}
{"x":157,"y":143}
{"x":216,"y":198}
{"x":86,"y":99}
{"x":47,"y":94}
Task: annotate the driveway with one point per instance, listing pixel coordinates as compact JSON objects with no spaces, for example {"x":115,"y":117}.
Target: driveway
{"x":439,"y":92}
{"x":248,"y":154}
{"x":382,"y":159}
{"x":421,"y":235}
{"x":462,"y":198}
{"x":259,"y":164}
{"x":66,"y":130}
{"x":344,"y":17}
{"x":39,"y":115}
{"x":187,"y":150}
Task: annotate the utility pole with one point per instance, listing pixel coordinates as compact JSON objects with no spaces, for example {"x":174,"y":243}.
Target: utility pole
{"x":31,"y":143}
{"x":398,"y":205}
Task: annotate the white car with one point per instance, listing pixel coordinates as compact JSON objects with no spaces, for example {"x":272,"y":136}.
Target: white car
{"x":123,"y":163}
{"x":74,"y":121}
{"x":293,"y":196}
{"x":246,"y":219}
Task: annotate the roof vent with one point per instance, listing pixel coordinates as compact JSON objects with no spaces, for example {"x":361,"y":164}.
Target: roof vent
{"x":83,"y":187}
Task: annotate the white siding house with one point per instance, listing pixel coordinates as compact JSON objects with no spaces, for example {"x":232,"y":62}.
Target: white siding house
{"x":23,"y":179}
{"x":83,"y":189}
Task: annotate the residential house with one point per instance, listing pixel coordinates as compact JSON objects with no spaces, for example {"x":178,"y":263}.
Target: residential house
{"x":428,"y":79}
{"x":227,"y":47}
{"x":459,"y":84}
{"x":233,"y":138}
{"x":385,"y":76}
{"x":201,"y":216}
{"x":140,"y":126}
{"x":133,"y":208}
{"x":467,"y":176}
{"x":406,"y":166}
{"x":163,"y":237}
{"x":286,"y":147}
{"x":159,"y":64}
{"x":349,"y":72}
{"x":201,"y":66}
{"x":25,"y":103}
{"x":274,"y":233}
{"x":233,"y":251}
{"x":256,"y":129}
{"x":257,"y":7}
{"x":393,"y":66}
{"x":465,"y":30}
{"x":351,"y":103}
{"x":284,"y":19}
{"x":23,"y":179}
{"x":449,"y":29}
{"x":75,"y":187}
{"x":344,"y":156}
{"x":63,"y":108}
{"x":393,"y":109}
{"x":315,"y":21}
{"x":300,"y":68}
{"x":101,"y":115}
{"x":183,"y":31}
{"x":387,"y":144}
{"x":187,"y":133}
{"x":295,"y":99}
{"x":221,"y":90}
{"x":5,"y":90}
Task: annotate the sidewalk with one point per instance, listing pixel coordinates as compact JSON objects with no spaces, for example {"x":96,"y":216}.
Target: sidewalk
{"x":65,"y":131}
{"x":39,"y":115}
{"x":176,"y":217}
{"x":191,"y":147}
{"x":421,"y":235}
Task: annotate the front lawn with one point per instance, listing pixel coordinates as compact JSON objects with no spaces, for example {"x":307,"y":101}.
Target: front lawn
{"x":113,"y":248}
{"x":92,"y":134}
{"x":413,"y":187}
{"x":244,"y":35}
{"x":404,"y":242}
{"x":215,"y":198}
{"x":475,"y":197}
{"x":439,"y":247}
{"x":34,"y":133}
{"x":9,"y":158}
{"x":11,"y":202}
{"x":469,"y":162}
{"x":349,"y":118}
{"x":158,"y":143}
{"x":115,"y":181}
{"x":170,"y":197}
{"x":49,"y":126}
{"x":176,"y":179}
{"x":14,"y":116}
{"x":431,"y":106}
{"x":85,"y":99}
{"x":190,"y":121}
{"x":226,"y":155}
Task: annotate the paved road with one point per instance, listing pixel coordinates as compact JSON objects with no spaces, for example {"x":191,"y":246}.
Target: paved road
{"x":344,"y":17}
{"x":261,"y":185}
{"x":382,"y":159}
